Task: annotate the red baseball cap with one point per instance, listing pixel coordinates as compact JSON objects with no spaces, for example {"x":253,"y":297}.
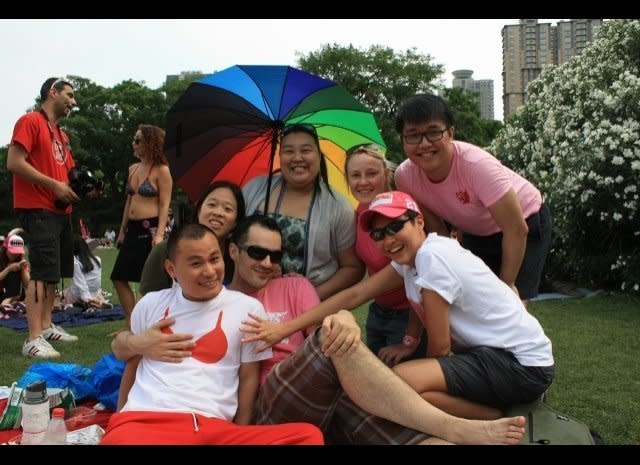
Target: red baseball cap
{"x":14,"y":244}
{"x":390,"y":204}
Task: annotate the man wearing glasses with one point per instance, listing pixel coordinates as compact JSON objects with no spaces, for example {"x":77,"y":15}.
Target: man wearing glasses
{"x":501,"y":215}
{"x":40,"y":158}
{"x":300,"y":383}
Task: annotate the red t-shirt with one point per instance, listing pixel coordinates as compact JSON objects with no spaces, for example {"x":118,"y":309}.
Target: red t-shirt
{"x":49,"y":152}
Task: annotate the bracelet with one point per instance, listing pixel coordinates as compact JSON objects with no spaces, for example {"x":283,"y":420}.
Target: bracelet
{"x":410,"y":341}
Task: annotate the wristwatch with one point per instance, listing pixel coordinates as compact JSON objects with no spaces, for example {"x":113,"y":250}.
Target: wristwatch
{"x":410,"y":341}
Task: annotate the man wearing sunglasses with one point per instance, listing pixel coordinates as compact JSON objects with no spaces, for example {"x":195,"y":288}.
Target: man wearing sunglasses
{"x":40,"y":158}
{"x":501,"y":355}
{"x":340,"y":394}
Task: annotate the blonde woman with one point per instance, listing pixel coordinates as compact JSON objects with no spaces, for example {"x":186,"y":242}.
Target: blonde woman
{"x":145,"y":212}
{"x":368,"y":174}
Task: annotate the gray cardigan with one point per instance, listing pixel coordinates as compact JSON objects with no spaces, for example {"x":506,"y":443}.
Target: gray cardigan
{"x":332,"y":227}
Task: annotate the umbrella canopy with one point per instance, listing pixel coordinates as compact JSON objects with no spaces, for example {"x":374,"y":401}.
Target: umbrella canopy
{"x":228,"y":125}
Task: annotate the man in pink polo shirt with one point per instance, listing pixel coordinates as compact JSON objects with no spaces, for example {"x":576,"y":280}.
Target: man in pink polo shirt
{"x":501,"y":215}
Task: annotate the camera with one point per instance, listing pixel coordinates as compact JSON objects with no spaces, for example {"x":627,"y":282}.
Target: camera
{"x":82,"y":181}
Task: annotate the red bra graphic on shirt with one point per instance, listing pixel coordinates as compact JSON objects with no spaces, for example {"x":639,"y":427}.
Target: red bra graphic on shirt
{"x":210,"y":348}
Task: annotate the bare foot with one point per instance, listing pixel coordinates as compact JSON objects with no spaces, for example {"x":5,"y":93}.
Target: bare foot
{"x":508,"y":430}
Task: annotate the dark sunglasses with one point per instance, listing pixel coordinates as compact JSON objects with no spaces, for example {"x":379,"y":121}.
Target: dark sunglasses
{"x":260,"y":253}
{"x":137,"y":140}
{"x":391,"y":229}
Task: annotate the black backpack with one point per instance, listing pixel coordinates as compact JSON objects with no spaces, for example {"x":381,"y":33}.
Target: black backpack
{"x":544,"y":426}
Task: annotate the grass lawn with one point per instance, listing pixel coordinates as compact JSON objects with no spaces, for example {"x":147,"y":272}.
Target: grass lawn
{"x":595,"y":345}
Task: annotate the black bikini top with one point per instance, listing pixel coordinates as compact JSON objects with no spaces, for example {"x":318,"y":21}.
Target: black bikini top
{"x":145,"y":189}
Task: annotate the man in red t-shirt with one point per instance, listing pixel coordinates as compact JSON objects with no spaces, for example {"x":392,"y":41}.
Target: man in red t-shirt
{"x":40,"y":158}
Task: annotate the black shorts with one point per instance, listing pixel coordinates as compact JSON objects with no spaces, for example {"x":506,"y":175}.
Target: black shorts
{"x":489,"y":249}
{"x":494,"y":377}
{"x":50,"y":244}
{"x":134,"y":250}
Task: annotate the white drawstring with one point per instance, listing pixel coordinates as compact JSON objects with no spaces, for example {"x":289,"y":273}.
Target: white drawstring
{"x":195,"y":422}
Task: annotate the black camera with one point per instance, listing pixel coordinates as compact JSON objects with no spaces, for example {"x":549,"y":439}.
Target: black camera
{"x":82,"y":181}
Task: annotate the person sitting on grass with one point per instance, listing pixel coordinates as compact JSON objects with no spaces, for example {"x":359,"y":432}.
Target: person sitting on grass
{"x":501,"y":355}
{"x":85,"y":291}
{"x":14,"y":274}
{"x":209,"y":397}
{"x":341,"y":394}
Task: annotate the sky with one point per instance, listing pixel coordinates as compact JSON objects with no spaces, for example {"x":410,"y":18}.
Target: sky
{"x":111,"y":51}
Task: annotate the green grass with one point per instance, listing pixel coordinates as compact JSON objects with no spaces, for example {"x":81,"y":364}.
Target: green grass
{"x":595,"y":345}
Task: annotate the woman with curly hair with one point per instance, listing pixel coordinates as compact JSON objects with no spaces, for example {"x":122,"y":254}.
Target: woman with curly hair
{"x":145,"y":212}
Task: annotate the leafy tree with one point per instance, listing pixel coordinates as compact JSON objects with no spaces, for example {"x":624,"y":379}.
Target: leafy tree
{"x":470,"y":126}
{"x":578,"y":139}
{"x":379,"y":77}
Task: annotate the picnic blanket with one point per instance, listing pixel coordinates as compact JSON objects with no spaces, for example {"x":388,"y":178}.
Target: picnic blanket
{"x":101,"y":418}
{"x":18,"y":321}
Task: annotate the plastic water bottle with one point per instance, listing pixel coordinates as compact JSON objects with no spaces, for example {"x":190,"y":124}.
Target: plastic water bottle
{"x":35,"y":413}
{"x":57,"y":430}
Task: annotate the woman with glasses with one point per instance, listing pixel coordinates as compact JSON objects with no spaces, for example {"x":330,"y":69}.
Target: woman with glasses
{"x":368,"y":174}
{"x":501,"y":215}
{"x":318,"y":224}
{"x":145,"y":213}
{"x":485,"y":352}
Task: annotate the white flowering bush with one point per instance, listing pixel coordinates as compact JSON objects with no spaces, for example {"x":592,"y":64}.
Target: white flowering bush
{"x":578,"y":140}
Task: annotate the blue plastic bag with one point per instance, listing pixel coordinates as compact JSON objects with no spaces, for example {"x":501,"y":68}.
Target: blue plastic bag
{"x":106,"y":376}
{"x":61,"y":375}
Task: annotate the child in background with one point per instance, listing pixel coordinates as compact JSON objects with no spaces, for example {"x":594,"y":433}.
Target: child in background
{"x":14,"y":274}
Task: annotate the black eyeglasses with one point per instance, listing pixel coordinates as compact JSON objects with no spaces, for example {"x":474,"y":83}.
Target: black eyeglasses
{"x":432,"y":135}
{"x":137,"y":140}
{"x":391,"y":229}
{"x":260,"y":253}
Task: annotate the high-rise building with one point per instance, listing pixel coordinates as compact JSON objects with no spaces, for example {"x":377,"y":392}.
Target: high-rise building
{"x":482,"y":87}
{"x":529,"y":46}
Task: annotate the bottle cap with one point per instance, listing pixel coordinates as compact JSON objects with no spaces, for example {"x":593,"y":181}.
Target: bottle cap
{"x":58,"y":412}
{"x":35,"y":392}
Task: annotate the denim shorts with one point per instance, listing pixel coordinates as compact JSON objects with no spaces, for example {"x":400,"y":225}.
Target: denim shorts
{"x":489,"y":249}
{"x":50,"y":244}
{"x":387,"y":327}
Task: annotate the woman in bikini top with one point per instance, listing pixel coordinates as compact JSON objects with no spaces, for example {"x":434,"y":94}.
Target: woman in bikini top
{"x":146,"y":211}
{"x":145,"y":189}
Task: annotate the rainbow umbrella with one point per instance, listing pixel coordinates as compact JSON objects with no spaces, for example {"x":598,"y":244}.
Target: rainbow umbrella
{"x":228,"y":125}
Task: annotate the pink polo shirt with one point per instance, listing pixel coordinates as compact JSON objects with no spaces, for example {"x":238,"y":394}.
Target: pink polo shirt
{"x":476,"y":181}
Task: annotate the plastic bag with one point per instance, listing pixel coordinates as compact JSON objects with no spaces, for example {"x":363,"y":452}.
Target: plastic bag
{"x":61,"y":375}
{"x":106,"y":376}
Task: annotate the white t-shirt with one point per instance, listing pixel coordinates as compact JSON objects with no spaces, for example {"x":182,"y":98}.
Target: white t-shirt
{"x":484,"y":311}
{"x":207,"y":382}
{"x":84,"y":286}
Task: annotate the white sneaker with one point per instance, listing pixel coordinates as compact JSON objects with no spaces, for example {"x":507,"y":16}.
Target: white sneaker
{"x":55,"y":333}
{"x":39,"y":348}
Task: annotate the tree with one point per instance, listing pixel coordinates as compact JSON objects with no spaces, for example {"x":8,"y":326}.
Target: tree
{"x":378,"y":77}
{"x":578,"y":139}
{"x":470,"y":126}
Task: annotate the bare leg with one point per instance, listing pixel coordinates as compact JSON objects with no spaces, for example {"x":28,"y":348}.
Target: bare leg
{"x":425,"y":376}
{"x":47,"y":309}
{"x":127,"y":300}
{"x":375,"y":388}
{"x":35,"y":310}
